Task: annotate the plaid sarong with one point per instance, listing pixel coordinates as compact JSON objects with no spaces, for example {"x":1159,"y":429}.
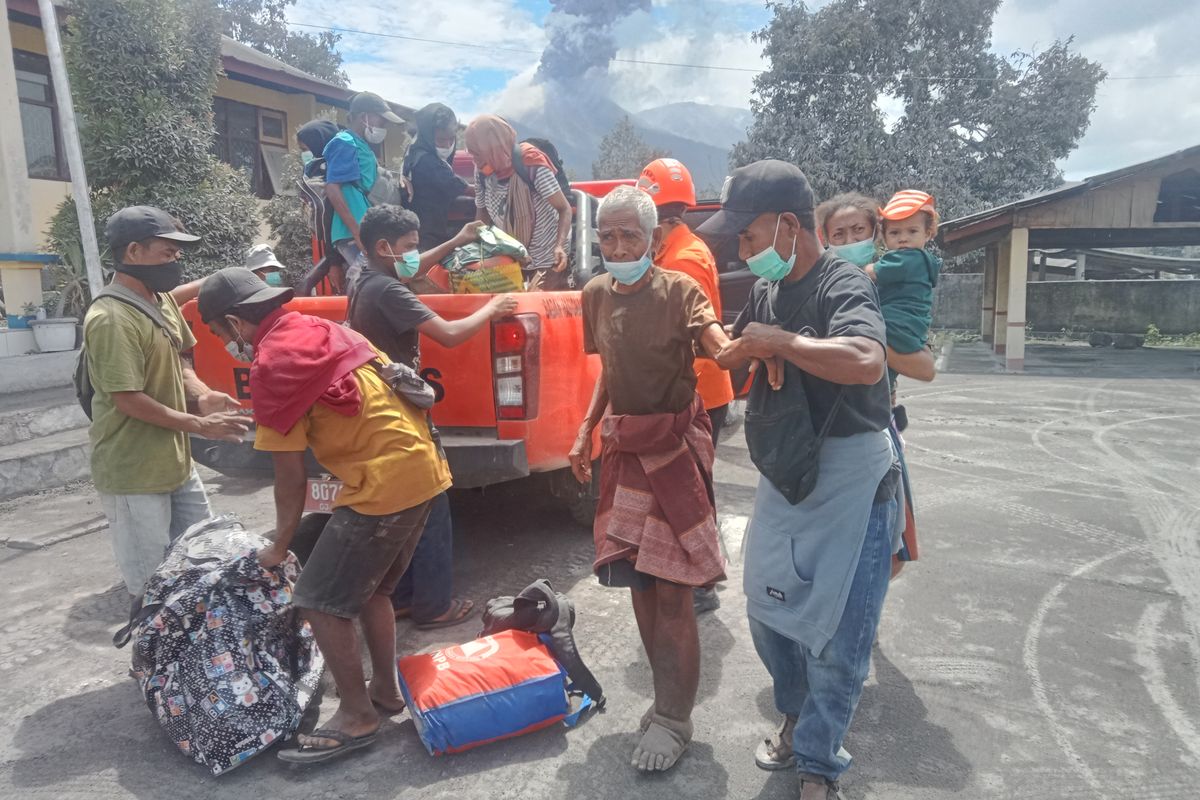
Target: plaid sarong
{"x":656,"y":500}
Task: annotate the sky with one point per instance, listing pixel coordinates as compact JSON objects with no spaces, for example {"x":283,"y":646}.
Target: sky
{"x":499,"y":43}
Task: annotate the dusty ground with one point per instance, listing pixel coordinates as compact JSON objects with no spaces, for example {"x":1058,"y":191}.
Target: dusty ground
{"x":1046,"y":645}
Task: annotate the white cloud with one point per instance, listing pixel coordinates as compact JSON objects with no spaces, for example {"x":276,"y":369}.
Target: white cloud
{"x":414,"y":73}
{"x":1135,"y":120}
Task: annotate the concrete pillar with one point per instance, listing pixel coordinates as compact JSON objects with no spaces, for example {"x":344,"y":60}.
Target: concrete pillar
{"x":1000,"y":320}
{"x":20,"y":269}
{"x":987,"y":323}
{"x":1018,"y":274}
{"x":1080,"y":265}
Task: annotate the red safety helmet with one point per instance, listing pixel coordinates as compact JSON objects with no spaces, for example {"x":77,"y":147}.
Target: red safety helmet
{"x":668,"y":181}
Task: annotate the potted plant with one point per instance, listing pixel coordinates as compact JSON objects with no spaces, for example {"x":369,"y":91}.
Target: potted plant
{"x":29,"y":313}
{"x":52,"y":334}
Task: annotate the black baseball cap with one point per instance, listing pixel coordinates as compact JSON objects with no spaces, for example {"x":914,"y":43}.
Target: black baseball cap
{"x":135,"y":223}
{"x":228,"y":288}
{"x":371,"y":103}
{"x":763,"y":187}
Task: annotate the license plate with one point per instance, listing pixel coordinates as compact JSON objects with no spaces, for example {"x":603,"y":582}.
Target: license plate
{"x":322,"y":494}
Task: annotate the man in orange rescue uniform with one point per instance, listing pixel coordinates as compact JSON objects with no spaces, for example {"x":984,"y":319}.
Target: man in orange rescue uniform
{"x":670,"y":184}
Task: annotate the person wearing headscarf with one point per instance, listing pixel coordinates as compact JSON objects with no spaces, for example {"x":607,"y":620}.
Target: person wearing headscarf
{"x":524,"y":199}
{"x":428,"y":168}
{"x":313,"y":136}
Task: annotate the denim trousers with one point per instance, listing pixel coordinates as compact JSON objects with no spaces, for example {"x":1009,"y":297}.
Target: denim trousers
{"x":428,"y":585}
{"x":822,"y":691}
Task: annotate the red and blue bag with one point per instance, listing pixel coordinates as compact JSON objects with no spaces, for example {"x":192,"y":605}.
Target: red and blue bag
{"x":496,"y":687}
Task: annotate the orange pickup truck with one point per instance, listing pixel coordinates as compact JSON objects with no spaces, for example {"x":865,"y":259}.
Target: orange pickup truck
{"x":509,"y":402}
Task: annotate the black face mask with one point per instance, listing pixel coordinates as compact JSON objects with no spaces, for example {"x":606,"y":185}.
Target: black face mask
{"x":157,"y":277}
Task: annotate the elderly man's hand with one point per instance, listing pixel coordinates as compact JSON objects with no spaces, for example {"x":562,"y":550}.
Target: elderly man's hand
{"x":580,"y":457}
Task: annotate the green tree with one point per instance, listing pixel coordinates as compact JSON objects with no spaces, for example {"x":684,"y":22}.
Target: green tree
{"x":262,"y":24}
{"x":969,"y":126}
{"x":623,"y":153}
{"x":142,"y":75}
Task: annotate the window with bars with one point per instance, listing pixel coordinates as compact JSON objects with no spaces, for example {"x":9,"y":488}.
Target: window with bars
{"x":253,"y":140}
{"x":39,"y":117}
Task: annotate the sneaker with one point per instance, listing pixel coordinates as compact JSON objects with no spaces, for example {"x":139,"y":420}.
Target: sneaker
{"x":705,"y":600}
{"x":832,"y":790}
{"x":775,"y":752}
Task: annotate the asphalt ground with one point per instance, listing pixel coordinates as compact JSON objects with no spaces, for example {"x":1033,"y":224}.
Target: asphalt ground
{"x":1047,"y":644}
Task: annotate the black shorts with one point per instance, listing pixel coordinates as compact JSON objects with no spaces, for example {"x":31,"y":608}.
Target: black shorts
{"x":358,"y":556}
{"x":621,"y":574}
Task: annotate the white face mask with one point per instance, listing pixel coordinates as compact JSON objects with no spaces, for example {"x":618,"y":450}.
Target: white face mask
{"x":239,"y":349}
{"x":375,"y":135}
{"x":445,"y":152}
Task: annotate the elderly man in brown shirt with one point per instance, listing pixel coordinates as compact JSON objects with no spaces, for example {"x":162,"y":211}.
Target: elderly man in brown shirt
{"x":656,"y":528}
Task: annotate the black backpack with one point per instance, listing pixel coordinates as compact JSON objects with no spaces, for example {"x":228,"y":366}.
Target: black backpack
{"x":551,"y":152}
{"x":321,"y":213}
{"x":82,"y":378}
{"x":541,"y":610}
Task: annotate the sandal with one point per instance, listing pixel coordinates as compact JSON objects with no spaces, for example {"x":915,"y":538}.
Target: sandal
{"x":775,"y":752}
{"x":832,"y":790}
{"x":313,"y":754}
{"x":459,"y":612}
{"x":662,"y":744}
{"x":647,"y":718}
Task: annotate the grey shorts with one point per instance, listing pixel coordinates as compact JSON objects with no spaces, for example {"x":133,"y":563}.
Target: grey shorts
{"x":144,"y":525}
{"x":356,"y":557}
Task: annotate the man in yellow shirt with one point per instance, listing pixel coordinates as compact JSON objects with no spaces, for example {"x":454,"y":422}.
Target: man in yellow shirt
{"x":314,"y":385}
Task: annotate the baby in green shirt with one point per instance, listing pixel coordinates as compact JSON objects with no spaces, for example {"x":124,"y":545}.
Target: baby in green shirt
{"x":907,"y":272}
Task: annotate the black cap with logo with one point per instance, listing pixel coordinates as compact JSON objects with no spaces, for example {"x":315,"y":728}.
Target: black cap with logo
{"x":763,"y":187}
{"x":135,"y":223}
{"x":371,"y":103}
{"x":228,"y":288}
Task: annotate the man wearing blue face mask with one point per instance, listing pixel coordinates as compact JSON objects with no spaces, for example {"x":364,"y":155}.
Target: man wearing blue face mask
{"x":656,"y":530}
{"x":261,"y":260}
{"x":819,"y":545}
{"x":386,"y":311}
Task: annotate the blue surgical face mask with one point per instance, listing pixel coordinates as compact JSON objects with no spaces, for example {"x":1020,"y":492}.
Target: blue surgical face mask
{"x":273,"y":278}
{"x":306,"y":156}
{"x":860,"y":253}
{"x":769,"y":264}
{"x":407,"y":264}
{"x":628,"y":272}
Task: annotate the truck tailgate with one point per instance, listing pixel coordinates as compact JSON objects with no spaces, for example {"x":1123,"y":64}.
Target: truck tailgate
{"x":462,"y":377}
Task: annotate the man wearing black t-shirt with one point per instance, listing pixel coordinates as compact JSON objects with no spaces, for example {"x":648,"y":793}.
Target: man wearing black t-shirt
{"x":819,"y":546}
{"x":392,"y":317}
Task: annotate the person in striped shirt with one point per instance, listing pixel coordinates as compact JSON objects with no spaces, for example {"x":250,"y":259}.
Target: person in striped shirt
{"x":517,"y":191}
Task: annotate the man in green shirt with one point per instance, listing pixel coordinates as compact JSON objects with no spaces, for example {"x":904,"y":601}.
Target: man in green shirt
{"x":147,"y":398}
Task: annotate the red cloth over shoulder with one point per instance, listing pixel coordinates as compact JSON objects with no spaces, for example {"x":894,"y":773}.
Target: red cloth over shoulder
{"x":301,"y":360}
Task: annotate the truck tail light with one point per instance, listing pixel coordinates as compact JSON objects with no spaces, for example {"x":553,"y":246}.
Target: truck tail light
{"x":516,"y":364}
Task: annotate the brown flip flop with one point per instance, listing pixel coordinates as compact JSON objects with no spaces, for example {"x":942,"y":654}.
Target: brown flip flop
{"x":460,"y":611}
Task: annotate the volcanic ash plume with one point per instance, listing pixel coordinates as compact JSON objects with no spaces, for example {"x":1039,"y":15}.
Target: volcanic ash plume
{"x":581,"y":36}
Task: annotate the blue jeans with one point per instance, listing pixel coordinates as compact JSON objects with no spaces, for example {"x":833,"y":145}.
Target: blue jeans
{"x":428,"y":585}
{"x":822,"y":692}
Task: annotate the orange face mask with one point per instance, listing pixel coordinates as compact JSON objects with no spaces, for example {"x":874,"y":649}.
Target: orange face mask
{"x":486,"y":169}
